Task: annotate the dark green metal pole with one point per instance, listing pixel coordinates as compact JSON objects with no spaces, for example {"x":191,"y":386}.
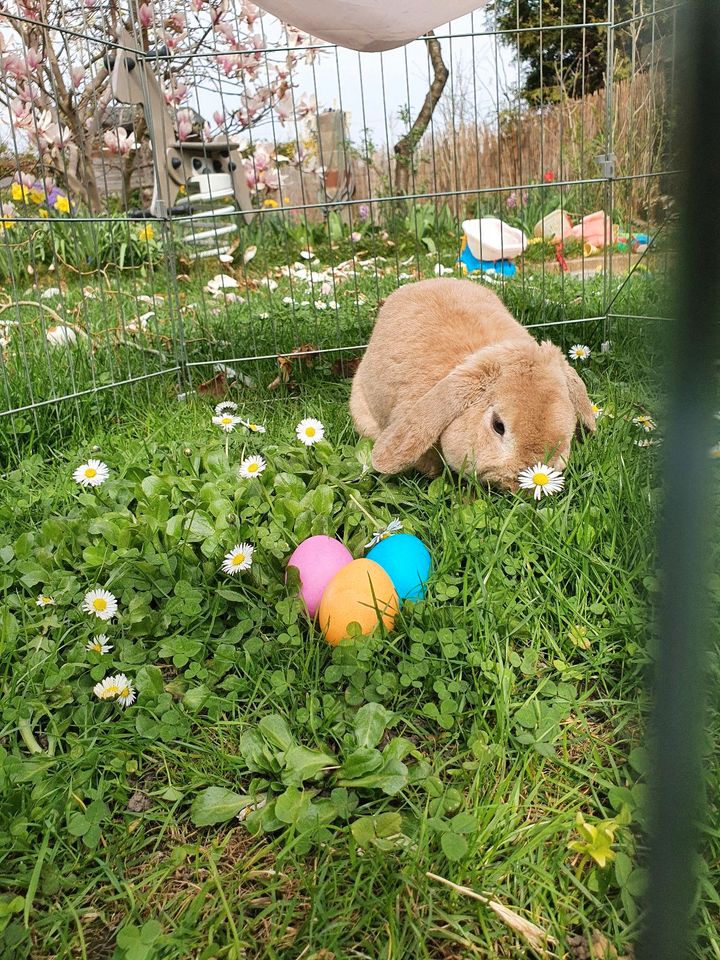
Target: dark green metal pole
{"x":686,"y":527}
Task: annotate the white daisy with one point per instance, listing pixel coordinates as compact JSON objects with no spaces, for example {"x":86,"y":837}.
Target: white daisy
{"x":100,"y":602}
{"x":226,"y":421}
{"x":579,"y":352}
{"x":91,"y":474}
{"x":598,"y":411}
{"x":256,"y":427}
{"x":99,"y":644}
{"x":542,"y":479}
{"x":126,"y":693}
{"x":225,"y":406}
{"x":646,"y":422}
{"x":107,"y":688}
{"x":251,"y":467}
{"x":44,"y":601}
{"x":309,"y":431}
{"x":647,"y":442}
{"x":395,"y":526}
{"x":320,"y":305}
{"x":239,"y":559}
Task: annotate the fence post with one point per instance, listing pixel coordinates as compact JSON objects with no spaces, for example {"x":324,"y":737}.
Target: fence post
{"x":684,"y":535}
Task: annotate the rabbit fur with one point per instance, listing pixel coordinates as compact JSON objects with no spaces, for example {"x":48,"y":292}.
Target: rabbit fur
{"x":450,"y":374}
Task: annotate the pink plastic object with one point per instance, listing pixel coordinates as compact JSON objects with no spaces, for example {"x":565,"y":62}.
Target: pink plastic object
{"x":318,"y":559}
{"x":595,"y":229}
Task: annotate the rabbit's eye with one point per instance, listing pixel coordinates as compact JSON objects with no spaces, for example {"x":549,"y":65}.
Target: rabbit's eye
{"x":498,"y":426}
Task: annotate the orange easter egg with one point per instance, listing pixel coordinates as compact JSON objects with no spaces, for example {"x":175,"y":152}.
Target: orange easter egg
{"x":360,"y":592}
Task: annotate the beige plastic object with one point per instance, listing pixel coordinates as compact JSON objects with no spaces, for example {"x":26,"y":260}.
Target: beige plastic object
{"x":492,"y":239}
{"x":555,"y":226}
{"x":175,"y":163}
{"x":368,"y":25}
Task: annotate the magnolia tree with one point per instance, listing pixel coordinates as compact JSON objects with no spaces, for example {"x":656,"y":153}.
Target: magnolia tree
{"x":55,"y":86}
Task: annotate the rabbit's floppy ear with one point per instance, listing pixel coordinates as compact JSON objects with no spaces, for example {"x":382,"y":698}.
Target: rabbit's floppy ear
{"x":415,"y":426}
{"x":576,"y":388}
{"x":579,"y":398}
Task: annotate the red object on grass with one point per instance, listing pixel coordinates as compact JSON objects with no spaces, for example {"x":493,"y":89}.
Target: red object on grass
{"x":561,"y":259}
{"x":549,"y":176}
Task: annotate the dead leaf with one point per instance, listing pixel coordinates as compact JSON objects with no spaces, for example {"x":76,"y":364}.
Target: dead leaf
{"x":249,"y":254}
{"x":303,"y":355}
{"x":139,"y":802}
{"x":217,"y":387}
{"x":345,"y":367}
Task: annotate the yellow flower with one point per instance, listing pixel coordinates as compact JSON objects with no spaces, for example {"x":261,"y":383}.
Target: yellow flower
{"x":37,"y":196}
{"x":533,"y":240}
{"x":19,"y":192}
{"x":147,"y":233}
{"x":270,"y":202}
{"x":7,"y":224}
{"x":62,"y":205}
{"x":44,"y":214}
{"x":286,"y":200}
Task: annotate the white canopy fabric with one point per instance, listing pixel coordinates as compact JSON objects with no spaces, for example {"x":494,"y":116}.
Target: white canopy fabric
{"x":369,"y":25}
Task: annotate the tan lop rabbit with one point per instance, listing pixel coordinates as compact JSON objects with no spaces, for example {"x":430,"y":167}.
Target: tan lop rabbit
{"x":450,"y":372}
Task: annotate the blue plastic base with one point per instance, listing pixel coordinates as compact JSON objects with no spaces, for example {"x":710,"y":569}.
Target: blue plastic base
{"x":505,"y":268}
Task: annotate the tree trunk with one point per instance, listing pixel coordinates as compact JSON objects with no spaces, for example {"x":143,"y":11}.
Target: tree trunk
{"x":405,"y":147}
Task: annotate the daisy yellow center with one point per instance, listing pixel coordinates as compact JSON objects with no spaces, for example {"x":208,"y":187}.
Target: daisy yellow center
{"x":238,"y":559}
{"x":540,"y":479}
{"x":125,"y":692}
{"x":99,"y":603}
{"x":97,"y":646}
{"x":90,"y":472}
{"x":227,"y":419}
{"x":310,"y":431}
{"x":252,"y":467}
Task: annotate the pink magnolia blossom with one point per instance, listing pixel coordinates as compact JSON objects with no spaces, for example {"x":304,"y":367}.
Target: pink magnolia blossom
{"x":177,"y":94}
{"x":21,"y":115}
{"x":219,"y":118}
{"x":284,"y":108}
{"x":119,"y":142}
{"x":306,"y":106}
{"x":15,"y":65}
{"x":228,"y":63}
{"x":145,"y":15}
{"x":77,"y":75}
{"x":251,"y":12}
{"x":184,"y":124}
{"x":32,"y":58}
{"x":296,"y":38}
{"x":177,"y":22}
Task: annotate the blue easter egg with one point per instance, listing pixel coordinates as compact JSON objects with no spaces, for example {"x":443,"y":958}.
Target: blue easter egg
{"x":407,"y":562}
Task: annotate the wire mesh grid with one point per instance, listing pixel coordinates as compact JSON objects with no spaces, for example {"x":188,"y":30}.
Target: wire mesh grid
{"x":352,"y":173}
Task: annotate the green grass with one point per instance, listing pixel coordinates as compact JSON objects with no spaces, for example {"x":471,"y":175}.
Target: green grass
{"x":512,"y":696}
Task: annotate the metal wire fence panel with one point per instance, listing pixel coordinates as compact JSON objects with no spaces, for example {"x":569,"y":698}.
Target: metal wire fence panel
{"x":192,"y":191}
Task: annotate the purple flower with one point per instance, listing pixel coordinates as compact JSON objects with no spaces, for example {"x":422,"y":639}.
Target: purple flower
{"x":512,"y":200}
{"x":363,"y":211}
{"x":52,"y":196}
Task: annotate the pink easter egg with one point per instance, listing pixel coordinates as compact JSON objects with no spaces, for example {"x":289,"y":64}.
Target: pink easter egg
{"x":317,"y":560}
